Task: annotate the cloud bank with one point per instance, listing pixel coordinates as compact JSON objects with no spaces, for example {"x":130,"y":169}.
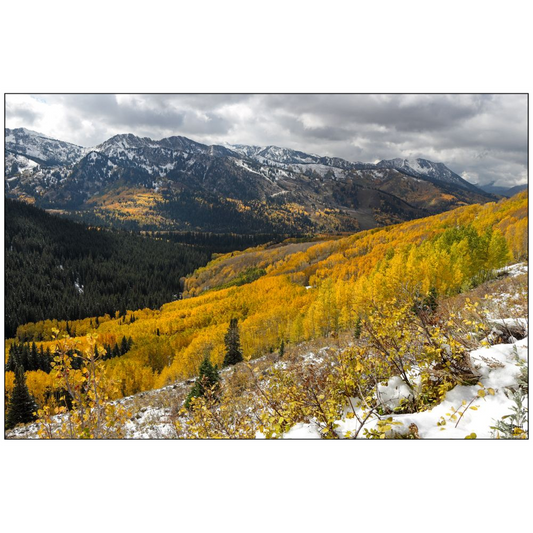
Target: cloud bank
{"x":483,"y":137}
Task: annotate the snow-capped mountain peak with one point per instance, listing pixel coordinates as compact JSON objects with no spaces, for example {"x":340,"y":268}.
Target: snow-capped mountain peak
{"x":179,"y":157}
{"x":41,"y":148}
{"x":423,"y":168}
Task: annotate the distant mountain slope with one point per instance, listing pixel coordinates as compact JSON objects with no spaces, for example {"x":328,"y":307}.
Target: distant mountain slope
{"x":422,"y":168}
{"x":42,"y":149}
{"x":178,"y":183}
{"x":515,"y":190}
{"x":503,"y":191}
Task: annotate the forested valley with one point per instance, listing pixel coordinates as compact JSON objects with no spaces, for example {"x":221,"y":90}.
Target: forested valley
{"x":59,"y":269}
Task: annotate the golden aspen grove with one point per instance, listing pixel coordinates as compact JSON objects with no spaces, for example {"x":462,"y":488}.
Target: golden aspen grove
{"x":382,"y":283}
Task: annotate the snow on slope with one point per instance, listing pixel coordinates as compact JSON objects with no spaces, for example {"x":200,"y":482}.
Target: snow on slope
{"x":44,"y":149}
{"x":465,"y":411}
{"x":15,"y":163}
{"x":157,"y":157}
{"x":424,"y":168}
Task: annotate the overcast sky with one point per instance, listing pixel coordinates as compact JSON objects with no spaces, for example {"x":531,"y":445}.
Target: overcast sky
{"x":481,"y":137}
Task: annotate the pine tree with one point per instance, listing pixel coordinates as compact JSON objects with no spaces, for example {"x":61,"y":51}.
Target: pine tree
{"x":107,"y":352}
{"x":357,"y":329}
{"x":282,"y":348}
{"x":22,"y":404}
{"x":116,"y":350}
{"x":47,"y":360}
{"x":33,"y":359}
{"x":124,"y":345}
{"x":41,"y":363}
{"x":24,"y":357}
{"x":208,"y":379}
{"x":14,"y":357}
{"x":233,"y":345}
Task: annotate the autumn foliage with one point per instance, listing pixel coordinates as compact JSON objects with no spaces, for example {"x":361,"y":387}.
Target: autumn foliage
{"x":299,"y":293}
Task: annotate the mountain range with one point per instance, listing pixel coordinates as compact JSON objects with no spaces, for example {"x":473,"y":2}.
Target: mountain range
{"x":179,"y":184}
{"x":503,"y":191}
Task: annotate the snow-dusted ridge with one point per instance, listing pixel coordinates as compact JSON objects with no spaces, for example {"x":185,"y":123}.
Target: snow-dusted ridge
{"x":155,"y":155}
{"x":41,"y":148}
{"x":427,"y":169}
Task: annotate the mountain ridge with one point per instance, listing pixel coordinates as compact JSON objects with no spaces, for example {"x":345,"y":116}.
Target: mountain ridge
{"x":268,"y":188}
{"x":415,"y":166}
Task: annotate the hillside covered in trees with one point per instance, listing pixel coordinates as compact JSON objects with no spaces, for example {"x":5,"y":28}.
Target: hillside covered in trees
{"x":59,"y":269}
{"x":381,"y":285}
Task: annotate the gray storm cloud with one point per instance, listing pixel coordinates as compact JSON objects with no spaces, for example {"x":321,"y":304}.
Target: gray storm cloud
{"x":481,"y":136}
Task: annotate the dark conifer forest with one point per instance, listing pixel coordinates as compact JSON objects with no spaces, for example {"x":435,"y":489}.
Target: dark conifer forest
{"x":56,"y":268}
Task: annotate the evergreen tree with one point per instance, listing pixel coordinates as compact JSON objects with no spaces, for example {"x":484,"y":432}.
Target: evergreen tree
{"x":22,"y":404}
{"x":282,"y":348}
{"x":14,"y":357}
{"x":24,"y":357}
{"x":208,"y":379}
{"x":41,"y":363}
{"x":124,"y":345}
{"x":357,"y":329}
{"x":47,"y":361}
{"x":116,"y":351}
{"x":46,"y":254}
{"x":233,"y":344}
{"x":108,"y":351}
{"x":33,"y":359}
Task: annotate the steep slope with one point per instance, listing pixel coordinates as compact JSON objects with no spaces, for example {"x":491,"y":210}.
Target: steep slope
{"x":502,"y":370}
{"x":40,"y":148}
{"x":394,"y":280}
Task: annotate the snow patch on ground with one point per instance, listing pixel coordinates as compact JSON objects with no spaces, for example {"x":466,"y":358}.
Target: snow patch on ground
{"x":394,"y":392}
{"x":514,"y":270}
{"x":464,"y":410}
